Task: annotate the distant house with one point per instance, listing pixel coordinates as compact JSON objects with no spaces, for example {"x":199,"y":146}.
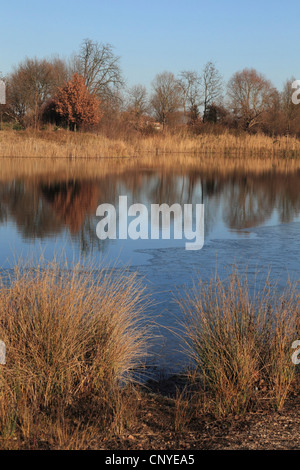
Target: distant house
{"x":155,"y":125}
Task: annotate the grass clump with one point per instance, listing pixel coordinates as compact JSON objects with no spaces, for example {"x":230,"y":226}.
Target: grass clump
{"x":73,"y":339}
{"x":240,"y":339}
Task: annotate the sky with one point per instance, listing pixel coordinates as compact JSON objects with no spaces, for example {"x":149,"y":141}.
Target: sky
{"x":152,"y":36}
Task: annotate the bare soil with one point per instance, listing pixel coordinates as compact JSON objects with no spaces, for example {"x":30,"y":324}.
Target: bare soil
{"x":261,"y":430}
{"x":153,"y":424}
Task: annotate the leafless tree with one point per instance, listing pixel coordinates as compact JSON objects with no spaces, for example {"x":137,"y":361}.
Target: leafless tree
{"x":137,"y":101}
{"x":100,"y":68}
{"x":2,"y":98}
{"x":167,"y":96}
{"x":251,"y":94}
{"x":212,"y":87}
{"x":190,"y":82}
{"x":291,"y":111}
{"x":31,"y":84}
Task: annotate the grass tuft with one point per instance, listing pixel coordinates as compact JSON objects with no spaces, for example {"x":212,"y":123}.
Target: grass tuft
{"x":73,"y":340}
{"x":240,"y":340}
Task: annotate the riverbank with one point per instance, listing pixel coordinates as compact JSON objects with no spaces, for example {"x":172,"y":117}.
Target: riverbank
{"x":75,"y":342}
{"x":165,"y":422}
{"x":158,"y":420}
{"x":61,"y":143}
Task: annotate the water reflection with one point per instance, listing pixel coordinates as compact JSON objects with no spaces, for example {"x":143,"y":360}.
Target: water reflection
{"x":46,"y":207}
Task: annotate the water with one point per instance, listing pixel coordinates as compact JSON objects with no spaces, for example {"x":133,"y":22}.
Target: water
{"x":252,"y":220}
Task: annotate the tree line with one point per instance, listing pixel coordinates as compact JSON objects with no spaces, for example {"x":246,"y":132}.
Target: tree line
{"x":88,"y":92}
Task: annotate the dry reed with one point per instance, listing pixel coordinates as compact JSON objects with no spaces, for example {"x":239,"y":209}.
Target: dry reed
{"x":240,"y":341}
{"x":73,"y":338}
{"x":77,"y":145}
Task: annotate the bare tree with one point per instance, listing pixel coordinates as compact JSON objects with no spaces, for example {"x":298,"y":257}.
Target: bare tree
{"x":290,"y":110}
{"x":31,"y":84}
{"x":100,"y":68}
{"x":190,"y":82}
{"x":251,"y":94}
{"x":138,"y":100}
{"x":212,"y":87}
{"x":167,"y":96}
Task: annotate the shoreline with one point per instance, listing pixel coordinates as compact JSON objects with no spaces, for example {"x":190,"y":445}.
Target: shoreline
{"x":161,"y":420}
{"x":160,"y":415}
{"x":264,"y":429}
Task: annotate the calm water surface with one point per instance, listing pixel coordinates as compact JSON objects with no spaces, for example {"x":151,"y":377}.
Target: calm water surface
{"x":250,"y":219}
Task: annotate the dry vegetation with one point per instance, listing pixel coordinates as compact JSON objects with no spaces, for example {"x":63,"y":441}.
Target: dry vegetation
{"x":240,"y":338}
{"x":75,"y":338}
{"x":72,"y":340}
{"x":86,"y":145}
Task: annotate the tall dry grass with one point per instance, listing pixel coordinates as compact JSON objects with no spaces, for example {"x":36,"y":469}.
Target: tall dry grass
{"x":240,"y":341}
{"x":73,"y":340}
{"x":86,"y":145}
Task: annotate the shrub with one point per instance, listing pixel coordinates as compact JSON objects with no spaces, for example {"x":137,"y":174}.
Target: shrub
{"x":240,"y":340}
{"x":71,"y":336}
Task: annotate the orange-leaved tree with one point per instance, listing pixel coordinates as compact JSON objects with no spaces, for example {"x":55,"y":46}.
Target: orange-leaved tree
{"x":76,"y":105}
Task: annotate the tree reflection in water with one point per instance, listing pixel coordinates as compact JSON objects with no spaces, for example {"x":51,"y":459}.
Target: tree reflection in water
{"x":44,"y":207}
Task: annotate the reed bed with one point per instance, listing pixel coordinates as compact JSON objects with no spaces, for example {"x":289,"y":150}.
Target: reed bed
{"x":239,"y":338}
{"x":73,"y":340}
{"x":87,"y":145}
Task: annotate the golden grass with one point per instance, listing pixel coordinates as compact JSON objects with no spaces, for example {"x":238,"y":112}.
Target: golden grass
{"x":75,"y":337}
{"x":86,"y":145}
{"x":241,"y":342}
{"x":73,"y":340}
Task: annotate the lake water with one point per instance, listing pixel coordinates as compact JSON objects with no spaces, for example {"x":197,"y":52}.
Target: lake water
{"x":251,"y":219}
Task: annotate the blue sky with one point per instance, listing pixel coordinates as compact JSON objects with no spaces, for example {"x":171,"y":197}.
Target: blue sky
{"x":152,"y":36}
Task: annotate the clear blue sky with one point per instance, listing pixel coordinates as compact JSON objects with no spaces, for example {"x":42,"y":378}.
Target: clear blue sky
{"x":151,"y":36}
